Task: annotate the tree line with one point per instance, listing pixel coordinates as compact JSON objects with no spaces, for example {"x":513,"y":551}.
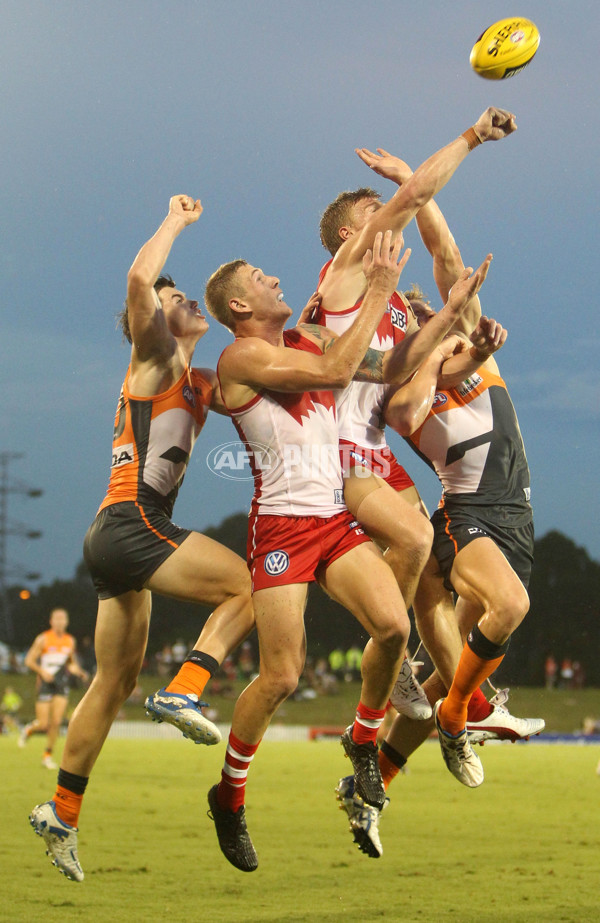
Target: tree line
{"x":563,"y":621}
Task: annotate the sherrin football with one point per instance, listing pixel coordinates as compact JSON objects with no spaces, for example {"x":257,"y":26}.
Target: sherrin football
{"x":505,"y":48}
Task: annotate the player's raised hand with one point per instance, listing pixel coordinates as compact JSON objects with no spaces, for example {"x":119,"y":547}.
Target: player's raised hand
{"x":494,"y":124}
{"x":380,"y":265}
{"x":452,"y":345}
{"x":467,"y":285}
{"x":488,"y":337}
{"x":385,"y":164}
{"x":185,"y":207}
{"x":306,"y":315}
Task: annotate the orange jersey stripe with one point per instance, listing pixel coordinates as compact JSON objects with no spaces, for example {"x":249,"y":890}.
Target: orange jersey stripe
{"x":154,"y":438}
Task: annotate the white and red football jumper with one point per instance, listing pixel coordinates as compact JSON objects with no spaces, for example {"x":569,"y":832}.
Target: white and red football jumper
{"x":360,"y":406}
{"x":292,"y":445}
{"x":298,"y":519}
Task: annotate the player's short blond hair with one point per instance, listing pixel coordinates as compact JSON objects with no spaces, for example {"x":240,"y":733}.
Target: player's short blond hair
{"x":416,"y":293}
{"x":223,"y":285}
{"x":338,"y":214}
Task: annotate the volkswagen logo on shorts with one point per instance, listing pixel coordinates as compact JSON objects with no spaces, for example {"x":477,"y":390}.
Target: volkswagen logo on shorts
{"x":276,"y":563}
{"x":236,"y":461}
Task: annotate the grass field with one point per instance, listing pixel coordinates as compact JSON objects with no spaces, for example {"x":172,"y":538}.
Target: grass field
{"x":523,"y":847}
{"x":562,"y":709}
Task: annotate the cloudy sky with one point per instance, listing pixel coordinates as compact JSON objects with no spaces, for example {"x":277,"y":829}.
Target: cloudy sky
{"x":108,"y":109}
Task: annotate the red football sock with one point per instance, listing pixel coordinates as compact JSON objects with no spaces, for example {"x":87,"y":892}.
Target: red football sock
{"x":479,"y":707}
{"x":232,"y":787}
{"x":367,"y":723}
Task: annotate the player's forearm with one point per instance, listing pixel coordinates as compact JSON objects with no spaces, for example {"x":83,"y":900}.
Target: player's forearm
{"x":33,"y":665}
{"x":150,"y":260}
{"x":347,"y":351}
{"x":431,"y":223}
{"x":447,"y":260}
{"x":437,"y":237}
{"x":433,"y":174}
{"x":455,"y":369}
{"x":461,"y":366}
{"x":404,"y":359}
{"x":409,"y":405}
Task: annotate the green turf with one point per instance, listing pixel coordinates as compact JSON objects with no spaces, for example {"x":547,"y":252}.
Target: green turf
{"x":562,"y":709}
{"x":524,"y":847}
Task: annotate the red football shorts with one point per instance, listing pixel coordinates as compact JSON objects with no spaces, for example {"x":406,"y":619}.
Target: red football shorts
{"x":289,"y":549}
{"x":381,"y":462}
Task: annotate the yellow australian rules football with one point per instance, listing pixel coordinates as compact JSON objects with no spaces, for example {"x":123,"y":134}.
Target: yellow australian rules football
{"x":505,"y":48}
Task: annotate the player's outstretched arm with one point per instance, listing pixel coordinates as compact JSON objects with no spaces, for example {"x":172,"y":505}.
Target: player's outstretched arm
{"x":488,"y":337}
{"x":147,"y":326}
{"x":407,"y":405}
{"x":434,"y":231}
{"x":258,"y":364}
{"x":404,"y":359}
{"x":448,"y":366}
{"x":385,"y":164}
{"x":426,"y":181}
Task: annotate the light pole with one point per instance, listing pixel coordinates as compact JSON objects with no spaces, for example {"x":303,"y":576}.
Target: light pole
{"x":11,"y":528}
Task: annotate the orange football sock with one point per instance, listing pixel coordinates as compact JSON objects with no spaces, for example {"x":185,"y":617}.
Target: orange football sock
{"x":391,"y":762}
{"x":191,"y":678}
{"x":68,"y":805}
{"x":470,"y":673}
{"x":388,"y":770}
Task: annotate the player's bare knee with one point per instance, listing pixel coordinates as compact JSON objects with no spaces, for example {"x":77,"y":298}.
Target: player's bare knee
{"x":239,"y":589}
{"x":510,"y":611}
{"x":423,"y":540}
{"x":243,"y":595}
{"x":116,"y":686}
{"x":278,"y":686}
{"x":414,"y":550}
{"x":392,"y":636}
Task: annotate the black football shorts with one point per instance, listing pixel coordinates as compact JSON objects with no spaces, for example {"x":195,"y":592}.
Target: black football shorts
{"x":126,"y":544}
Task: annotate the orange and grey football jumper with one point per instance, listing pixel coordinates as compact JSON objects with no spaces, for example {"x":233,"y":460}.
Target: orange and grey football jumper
{"x":152,"y":444}
{"x":57,"y":651}
{"x":471,"y":438}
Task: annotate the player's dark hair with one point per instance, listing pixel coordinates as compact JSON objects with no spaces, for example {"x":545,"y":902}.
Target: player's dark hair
{"x":338,"y":214}
{"x":123,"y":316}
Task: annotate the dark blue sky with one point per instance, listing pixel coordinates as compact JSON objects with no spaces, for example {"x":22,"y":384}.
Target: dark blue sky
{"x":109,"y":109}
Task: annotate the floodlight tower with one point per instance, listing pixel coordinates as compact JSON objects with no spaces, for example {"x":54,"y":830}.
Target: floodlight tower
{"x":7,"y":528}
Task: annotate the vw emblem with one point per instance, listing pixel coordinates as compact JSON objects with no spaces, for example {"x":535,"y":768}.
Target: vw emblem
{"x":277,"y":562}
